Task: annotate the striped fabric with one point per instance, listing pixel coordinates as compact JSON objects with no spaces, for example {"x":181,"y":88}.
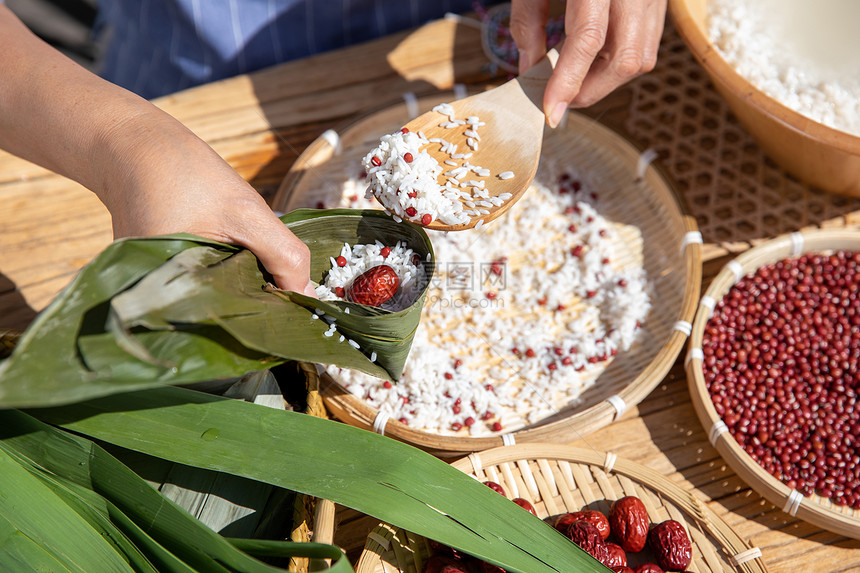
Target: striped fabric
{"x":156,"y":47}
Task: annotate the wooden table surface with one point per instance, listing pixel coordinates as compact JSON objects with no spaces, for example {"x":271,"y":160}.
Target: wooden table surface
{"x":50,"y":227}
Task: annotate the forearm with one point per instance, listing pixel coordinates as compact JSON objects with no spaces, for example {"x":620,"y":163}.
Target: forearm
{"x":152,"y":173}
{"x":55,"y":113}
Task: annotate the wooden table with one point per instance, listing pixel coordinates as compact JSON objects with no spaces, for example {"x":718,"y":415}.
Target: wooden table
{"x":50,"y":227}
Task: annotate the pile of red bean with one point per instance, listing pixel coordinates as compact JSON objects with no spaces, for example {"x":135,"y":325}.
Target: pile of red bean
{"x":782,"y":366}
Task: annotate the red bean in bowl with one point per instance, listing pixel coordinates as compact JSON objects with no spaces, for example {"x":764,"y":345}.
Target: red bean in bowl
{"x":782,"y":367}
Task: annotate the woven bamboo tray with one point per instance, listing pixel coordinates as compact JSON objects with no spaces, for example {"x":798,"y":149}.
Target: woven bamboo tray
{"x":633,"y":191}
{"x":559,"y":479}
{"x":813,"y":509}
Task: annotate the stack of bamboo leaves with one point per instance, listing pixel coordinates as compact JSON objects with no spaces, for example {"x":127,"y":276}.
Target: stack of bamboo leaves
{"x":100,"y":365}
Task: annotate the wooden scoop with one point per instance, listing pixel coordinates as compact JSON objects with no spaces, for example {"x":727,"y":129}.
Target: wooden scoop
{"x":509,"y":142}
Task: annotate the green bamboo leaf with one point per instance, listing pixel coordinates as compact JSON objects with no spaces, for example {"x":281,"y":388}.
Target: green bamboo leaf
{"x":19,"y":552}
{"x":199,"y":287}
{"x":310,"y":550}
{"x":159,"y":527}
{"x":378,"y":476}
{"x":182,"y":309}
{"x":143,"y":554}
{"x":35,"y":526}
{"x":47,"y":366}
{"x":96,"y":511}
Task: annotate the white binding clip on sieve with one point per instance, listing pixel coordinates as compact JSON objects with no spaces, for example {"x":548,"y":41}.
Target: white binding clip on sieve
{"x":796,"y":244}
{"x":508,"y":440}
{"x":691,"y":238}
{"x":709,"y":303}
{"x":609,"y":462}
{"x":744,"y":556}
{"x":737,"y":269}
{"x":792,"y":504}
{"x":694,"y":354}
{"x":331,"y":137}
{"x":618,"y":403}
{"x":645,"y":159}
{"x":379,"y":423}
{"x":411,"y":105}
{"x":684,"y":327}
{"x":717,"y":430}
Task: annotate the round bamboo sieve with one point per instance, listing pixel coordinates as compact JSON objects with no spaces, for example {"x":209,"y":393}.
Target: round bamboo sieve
{"x":635,"y":192}
{"x":559,"y":479}
{"x":813,"y":509}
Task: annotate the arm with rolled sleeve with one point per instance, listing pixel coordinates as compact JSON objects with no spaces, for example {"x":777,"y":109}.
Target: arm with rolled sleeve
{"x":152,"y":173}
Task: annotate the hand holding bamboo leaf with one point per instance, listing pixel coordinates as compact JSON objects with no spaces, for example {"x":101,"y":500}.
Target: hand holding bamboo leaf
{"x":181,"y":309}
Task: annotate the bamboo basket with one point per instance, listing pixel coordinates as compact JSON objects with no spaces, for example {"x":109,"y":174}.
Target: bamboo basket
{"x":634,"y":191}
{"x":559,"y":479}
{"x":313,"y":518}
{"x":813,"y":509}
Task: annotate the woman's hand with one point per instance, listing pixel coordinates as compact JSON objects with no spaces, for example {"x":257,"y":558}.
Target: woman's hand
{"x":608,"y":42}
{"x":150,"y":171}
{"x":160,"y":178}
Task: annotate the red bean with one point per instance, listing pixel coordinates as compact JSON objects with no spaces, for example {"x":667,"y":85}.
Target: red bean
{"x":782,"y":366}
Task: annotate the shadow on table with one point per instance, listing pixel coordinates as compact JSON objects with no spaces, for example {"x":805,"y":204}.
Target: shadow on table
{"x":303,"y":99}
{"x":675,"y":429}
{"x":15,"y":313}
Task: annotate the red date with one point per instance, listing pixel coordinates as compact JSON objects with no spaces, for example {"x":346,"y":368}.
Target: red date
{"x":526,"y":505}
{"x":671,"y":545}
{"x":374,"y":286}
{"x":648,"y":568}
{"x":588,"y":537}
{"x":496,"y":488}
{"x":617,"y":556}
{"x":563,"y":521}
{"x":593,"y":517}
{"x":628,"y":520}
{"x":444,"y":550}
{"x":443,"y":564}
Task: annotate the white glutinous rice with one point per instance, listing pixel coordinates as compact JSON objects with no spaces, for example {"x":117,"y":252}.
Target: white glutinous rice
{"x":801,"y":53}
{"x":517,"y":325}
{"x":404,"y":177}
{"x":360,"y":258}
{"x":506,"y":175}
{"x":404,"y":180}
{"x":522,"y":317}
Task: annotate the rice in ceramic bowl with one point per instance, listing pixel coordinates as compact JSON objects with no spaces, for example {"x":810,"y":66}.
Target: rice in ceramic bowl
{"x":802,"y":114}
